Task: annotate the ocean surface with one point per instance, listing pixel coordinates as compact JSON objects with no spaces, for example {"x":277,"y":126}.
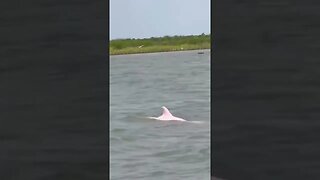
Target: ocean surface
{"x":141,"y":148}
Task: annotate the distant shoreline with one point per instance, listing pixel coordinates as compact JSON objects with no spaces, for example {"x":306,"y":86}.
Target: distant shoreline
{"x":159,"y":52}
{"x":159,"y":44}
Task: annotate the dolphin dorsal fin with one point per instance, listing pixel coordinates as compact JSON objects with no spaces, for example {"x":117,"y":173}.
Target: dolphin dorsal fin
{"x":165,"y":111}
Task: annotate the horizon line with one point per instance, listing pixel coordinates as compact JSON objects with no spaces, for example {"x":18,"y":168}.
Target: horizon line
{"x":159,"y":36}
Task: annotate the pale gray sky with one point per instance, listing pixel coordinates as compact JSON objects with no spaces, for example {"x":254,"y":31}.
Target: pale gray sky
{"x":154,"y":18}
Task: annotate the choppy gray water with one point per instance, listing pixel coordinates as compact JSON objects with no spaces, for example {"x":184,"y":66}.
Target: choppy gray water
{"x":142,"y":148}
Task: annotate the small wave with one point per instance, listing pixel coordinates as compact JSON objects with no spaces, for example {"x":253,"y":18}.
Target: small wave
{"x":195,"y":122}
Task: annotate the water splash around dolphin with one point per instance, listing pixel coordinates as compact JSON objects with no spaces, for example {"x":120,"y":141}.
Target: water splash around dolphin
{"x":167,"y":116}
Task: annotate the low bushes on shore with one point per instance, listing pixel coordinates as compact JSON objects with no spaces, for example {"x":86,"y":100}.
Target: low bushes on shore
{"x":159,"y":44}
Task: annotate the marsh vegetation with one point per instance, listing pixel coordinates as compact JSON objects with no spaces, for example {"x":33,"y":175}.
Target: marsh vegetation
{"x":159,"y":44}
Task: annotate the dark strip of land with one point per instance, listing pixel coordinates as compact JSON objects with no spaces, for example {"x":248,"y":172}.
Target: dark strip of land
{"x":159,"y":44}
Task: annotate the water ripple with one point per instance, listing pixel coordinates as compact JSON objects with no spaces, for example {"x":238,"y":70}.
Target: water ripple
{"x":141,"y":148}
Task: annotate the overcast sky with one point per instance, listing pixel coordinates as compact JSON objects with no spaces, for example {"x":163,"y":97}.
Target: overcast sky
{"x":154,"y":18}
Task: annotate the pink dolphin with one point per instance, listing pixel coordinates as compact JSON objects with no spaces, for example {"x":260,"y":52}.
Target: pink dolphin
{"x":167,"y":116}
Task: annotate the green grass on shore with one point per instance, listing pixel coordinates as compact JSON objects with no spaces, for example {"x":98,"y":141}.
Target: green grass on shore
{"x":159,"y":44}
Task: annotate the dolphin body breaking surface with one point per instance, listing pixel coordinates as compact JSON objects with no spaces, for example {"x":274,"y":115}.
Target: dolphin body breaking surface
{"x":167,"y":116}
